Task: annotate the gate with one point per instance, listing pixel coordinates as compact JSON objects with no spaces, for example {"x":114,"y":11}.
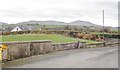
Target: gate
{"x":3,"y":52}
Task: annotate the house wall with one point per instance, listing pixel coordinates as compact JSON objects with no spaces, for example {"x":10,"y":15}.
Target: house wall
{"x":16,"y":29}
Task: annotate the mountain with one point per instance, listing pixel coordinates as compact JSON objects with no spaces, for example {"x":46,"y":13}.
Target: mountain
{"x":2,"y":23}
{"x":43,"y":22}
{"x":83,"y":23}
{"x":78,"y":22}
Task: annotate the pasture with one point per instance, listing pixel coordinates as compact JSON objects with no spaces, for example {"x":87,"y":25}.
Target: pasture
{"x":53,"y":37}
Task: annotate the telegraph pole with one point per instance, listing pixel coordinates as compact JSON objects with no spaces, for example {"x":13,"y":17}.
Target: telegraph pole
{"x":103,"y":24}
{"x":103,"y":28}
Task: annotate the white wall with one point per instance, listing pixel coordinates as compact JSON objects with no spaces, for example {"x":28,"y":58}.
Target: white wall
{"x":16,"y":29}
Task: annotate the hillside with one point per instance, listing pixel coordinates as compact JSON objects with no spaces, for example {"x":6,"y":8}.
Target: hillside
{"x":83,"y":23}
{"x":43,"y":22}
{"x":2,"y":23}
{"x":78,"y":22}
{"x":52,"y":25}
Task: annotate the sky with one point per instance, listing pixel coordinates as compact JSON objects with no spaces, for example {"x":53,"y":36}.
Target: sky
{"x":14,"y":11}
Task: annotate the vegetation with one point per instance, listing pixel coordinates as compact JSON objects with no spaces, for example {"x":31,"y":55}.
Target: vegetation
{"x":53,"y":37}
{"x":39,"y":32}
{"x":36,"y":26}
{"x":88,"y":41}
{"x":108,"y":35}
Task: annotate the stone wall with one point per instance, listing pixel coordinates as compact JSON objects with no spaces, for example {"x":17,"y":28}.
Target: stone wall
{"x":67,"y":46}
{"x":95,"y":45}
{"x":108,"y":44}
{"x":18,"y":50}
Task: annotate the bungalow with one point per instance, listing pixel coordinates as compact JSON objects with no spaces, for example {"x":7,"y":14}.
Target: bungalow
{"x":16,"y":29}
{"x":22,"y":28}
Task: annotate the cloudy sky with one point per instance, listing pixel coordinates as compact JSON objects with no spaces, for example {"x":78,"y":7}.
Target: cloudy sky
{"x":13,"y":11}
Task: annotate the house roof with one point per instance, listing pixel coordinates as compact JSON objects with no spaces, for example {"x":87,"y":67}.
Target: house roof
{"x":26,"y":27}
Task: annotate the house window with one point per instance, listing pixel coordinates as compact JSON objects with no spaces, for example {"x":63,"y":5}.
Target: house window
{"x":17,"y":29}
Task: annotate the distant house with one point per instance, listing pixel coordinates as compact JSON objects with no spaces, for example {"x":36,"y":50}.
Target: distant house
{"x":23,"y":28}
{"x":16,"y":29}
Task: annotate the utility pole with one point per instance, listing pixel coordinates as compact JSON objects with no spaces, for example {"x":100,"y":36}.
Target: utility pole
{"x":103,"y":28}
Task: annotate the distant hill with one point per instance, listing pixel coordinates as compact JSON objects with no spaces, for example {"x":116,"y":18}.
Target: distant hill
{"x":53,"y":24}
{"x":117,"y":27}
{"x":1,"y":23}
{"x":78,"y":22}
{"x":83,"y":23}
{"x":43,"y":22}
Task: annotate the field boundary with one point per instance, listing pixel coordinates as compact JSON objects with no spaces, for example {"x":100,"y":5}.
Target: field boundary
{"x":17,"y":50}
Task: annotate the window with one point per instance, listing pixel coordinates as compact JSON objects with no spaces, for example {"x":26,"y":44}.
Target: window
{"x":17,"y":29}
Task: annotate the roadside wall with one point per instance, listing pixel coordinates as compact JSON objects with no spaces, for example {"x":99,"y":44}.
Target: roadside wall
{"x":67,"y":46}
{"x":108,"y":44}
{"x":16,"y":50}
{"x":95,"y":45}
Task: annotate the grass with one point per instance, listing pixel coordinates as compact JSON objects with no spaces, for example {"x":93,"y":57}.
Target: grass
{"x":88,"y":41}
{"x":53,"y":37}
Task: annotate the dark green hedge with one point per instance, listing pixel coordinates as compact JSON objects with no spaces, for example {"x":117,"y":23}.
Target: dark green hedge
{"x":110,"y":35}
{"x":39,"y":32}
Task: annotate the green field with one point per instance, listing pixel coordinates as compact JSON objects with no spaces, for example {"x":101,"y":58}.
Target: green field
{"x":31,"y":37}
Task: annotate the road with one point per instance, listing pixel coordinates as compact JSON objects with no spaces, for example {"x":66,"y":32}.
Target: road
{"x":79,"y":58}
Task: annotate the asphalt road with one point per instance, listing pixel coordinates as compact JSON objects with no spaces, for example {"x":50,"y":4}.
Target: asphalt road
{"x":80,"y":58}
